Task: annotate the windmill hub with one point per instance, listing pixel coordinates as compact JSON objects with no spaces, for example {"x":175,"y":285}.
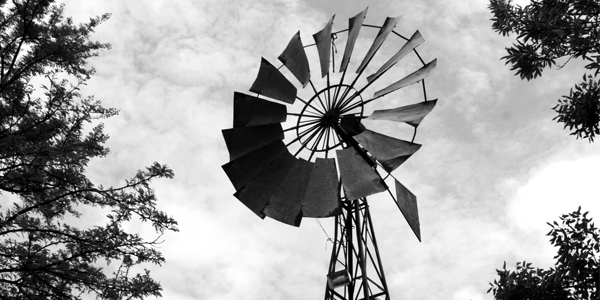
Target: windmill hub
{"x":330,"y":117}
{"x":323,"y":113}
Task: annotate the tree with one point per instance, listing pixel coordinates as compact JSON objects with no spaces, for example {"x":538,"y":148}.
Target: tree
{"x":548,"y":30}
{"x":48,"y":134}
{"x":576,"y":273}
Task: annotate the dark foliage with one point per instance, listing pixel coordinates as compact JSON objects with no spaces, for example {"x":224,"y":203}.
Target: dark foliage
{"x":547,"y":30}
{"x":45,"y":145}
{"x":580,"y":111}
{"x":576,"y":273}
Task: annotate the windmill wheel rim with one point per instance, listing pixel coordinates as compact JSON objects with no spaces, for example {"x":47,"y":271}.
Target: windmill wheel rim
{"x":327,"y":112}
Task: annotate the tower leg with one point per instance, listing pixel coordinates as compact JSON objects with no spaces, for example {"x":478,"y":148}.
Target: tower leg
{"x":355,"y":268}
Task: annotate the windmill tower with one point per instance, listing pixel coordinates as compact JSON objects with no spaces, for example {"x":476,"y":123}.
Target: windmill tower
{"x":326,"y":162}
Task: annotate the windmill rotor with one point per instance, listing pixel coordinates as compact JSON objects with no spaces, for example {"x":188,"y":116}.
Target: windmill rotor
{"x":325,"y":161}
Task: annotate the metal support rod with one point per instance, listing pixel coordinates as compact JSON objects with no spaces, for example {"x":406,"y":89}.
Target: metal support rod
{"x":310,"y":105}
{"x":361,"y":254}
{"x":303,"y":125}
{"x":317,"y":93}
{"x":383,"y":281}
{"x":354,"y":261}
{"x":349,"y":252}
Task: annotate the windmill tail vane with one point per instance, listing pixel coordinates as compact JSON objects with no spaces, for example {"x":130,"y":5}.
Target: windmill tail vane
{"x":326,"y":162}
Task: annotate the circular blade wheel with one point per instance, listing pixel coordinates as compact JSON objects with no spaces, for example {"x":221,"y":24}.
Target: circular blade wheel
{"x":323,"y":154}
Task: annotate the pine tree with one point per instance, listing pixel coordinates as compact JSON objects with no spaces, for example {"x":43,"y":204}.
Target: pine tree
{"x":45,"y":146}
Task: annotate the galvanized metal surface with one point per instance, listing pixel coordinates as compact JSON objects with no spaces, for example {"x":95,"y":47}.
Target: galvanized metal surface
{"x":252,"y":111}
{"x":407,"y":202}
{"x":323,"y":41}
{"x":243,"y":140}
{"x":390,"y":152}
{"x":354,"y":26}
{"x":358,"y":178}
{"x":241,"y":170}
{"x":383,"y":33}
{"x":286,"y":204}
{"x":294,"y":58}
{"x":413,"y":78}
{"x":414,"y":41}
{"x":272,"y":182}
{"x":351,"y":124}
{"x":271,"y":83}
{"x":322,"y":197}
{"x":411,"y":114}
{"x":256,"y":193}
{"x":355,"y":251}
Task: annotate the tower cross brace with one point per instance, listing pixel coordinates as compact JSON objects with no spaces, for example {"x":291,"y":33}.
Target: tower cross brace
{"x":355,"y":268}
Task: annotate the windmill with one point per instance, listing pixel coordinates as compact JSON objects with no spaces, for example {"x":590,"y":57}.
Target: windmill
{"x":327,"y":162}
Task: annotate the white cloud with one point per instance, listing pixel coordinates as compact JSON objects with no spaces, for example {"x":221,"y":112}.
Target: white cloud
{"x":555,"y":189}
{"x":469,"y":293}
{"x":173,"y":70}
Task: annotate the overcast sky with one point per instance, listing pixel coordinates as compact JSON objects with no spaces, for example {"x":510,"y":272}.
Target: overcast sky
{"x":493,"y":168}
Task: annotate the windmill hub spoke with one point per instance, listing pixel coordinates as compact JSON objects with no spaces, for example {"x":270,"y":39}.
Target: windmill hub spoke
{"x":322,"y":138}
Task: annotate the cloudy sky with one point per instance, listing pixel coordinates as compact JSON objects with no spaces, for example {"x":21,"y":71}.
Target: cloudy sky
{"x":493,"y":168}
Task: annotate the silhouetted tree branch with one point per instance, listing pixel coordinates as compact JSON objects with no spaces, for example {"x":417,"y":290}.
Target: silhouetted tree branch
{"x":547,"y":30}
{"x":45,"y":146}
{"x":576,"y":273}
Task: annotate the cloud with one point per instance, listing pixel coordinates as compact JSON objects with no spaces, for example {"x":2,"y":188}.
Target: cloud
{"x":553,"y":189}
{"x":469,"y":293}
{"x":481,"y":178}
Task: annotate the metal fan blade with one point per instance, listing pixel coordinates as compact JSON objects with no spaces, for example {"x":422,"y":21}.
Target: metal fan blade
{"x":271,"y":83}
{"x":323,"y":41}
{"x":252,"y":111}
{"x":257,"y":192}
{"x":388,"y":26}
{"x":294,"y":58}
{"x":351,"y":124}
{"x":390,"y":152}
{"x":322,"y":195}
{"x":286,"y":204}
{"x":354,"y":26}
{"x":407,"y":203}
{"x":244,"y":168}
{"x":411,"y":114}
{"x":415,"y":77}
{"x":358,"y":178}
{"x":415,"y":40}
{"x":243,"y":140}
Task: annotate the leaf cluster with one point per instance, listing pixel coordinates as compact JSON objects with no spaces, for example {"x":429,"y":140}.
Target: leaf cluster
{"x":548,"y":30}
{"x":45,"y":146}
{"x":575,"y":275}
{"x":580,"y":110}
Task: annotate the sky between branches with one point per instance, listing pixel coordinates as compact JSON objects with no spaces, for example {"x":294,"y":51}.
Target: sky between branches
{"x":493,"y":167}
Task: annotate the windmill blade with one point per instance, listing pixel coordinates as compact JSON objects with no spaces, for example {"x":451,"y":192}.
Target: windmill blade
{"x":271,"y":83}
{"x":358,"y":178}
{"x":294,"y":58}
{"x":322,"y":195}
{"x":323,"y":41}
{"x":354,"y":26}
{"x":415,"y":77}
{"x":385,"y":30}
{"x":415,"y":40}
{"x":286,"y":204}
{"x":351,"y":124}
{"x":251,"y":111}
{"x":256,"y":193}
{"x":407,"y":203}
{"x":241,"y":170}
{"x":389,"y":151}
{"x":243,"y":140}
{"x":411,"y":114}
